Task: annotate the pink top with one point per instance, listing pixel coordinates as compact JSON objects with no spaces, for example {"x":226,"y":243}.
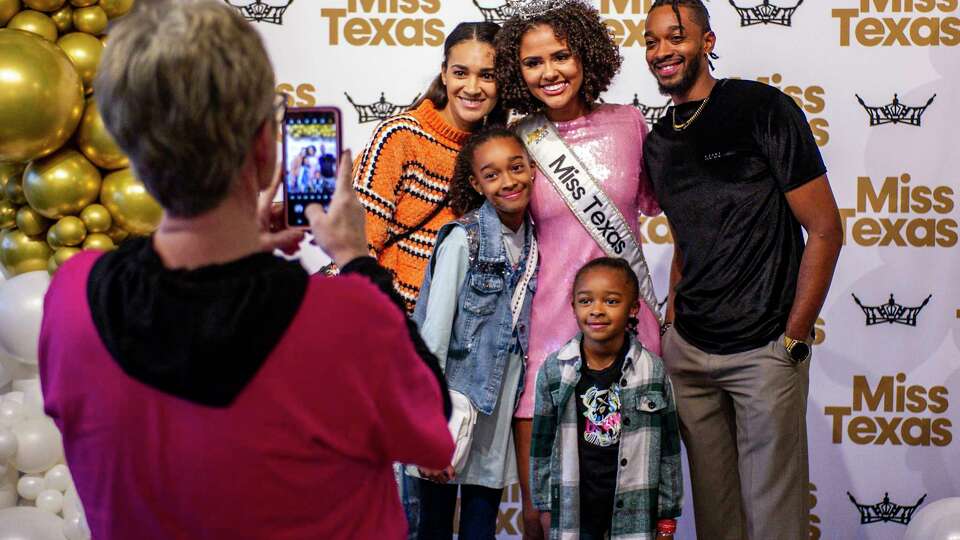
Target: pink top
{"x":609,"y":141}
{"x":304,"y":451}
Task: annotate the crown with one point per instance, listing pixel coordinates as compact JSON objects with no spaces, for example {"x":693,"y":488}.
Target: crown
{"x":498,"y":14}
{"x":260,"y":11}
{"x":378,"y":110}
{"x":765,"y":13}
{"x":895,"y":112}
{"x":891,"y":312}
{"x":522,"y":9}
{"x":650,"y":113}
{"x":885,"y":510}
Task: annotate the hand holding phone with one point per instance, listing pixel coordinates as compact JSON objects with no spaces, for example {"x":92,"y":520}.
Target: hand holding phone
{"x":340,"y":229}
{"x":312,"y":140}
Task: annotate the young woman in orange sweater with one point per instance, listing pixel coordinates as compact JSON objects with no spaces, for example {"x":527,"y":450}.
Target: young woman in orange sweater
{"x":403,"y":175}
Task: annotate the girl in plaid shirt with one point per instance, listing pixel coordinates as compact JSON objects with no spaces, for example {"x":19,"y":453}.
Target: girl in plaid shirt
{"x":605,"y":454}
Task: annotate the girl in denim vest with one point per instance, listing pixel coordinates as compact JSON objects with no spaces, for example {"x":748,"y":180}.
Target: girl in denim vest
{"x":473,"y":312}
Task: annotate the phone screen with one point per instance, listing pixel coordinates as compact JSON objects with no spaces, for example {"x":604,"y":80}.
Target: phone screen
{"x":311,"y":148}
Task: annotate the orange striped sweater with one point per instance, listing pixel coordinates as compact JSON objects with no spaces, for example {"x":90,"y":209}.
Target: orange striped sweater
{"x":400,"y":177}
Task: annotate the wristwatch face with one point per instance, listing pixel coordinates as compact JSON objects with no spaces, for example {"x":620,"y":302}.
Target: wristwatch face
{"x":800,"y":351}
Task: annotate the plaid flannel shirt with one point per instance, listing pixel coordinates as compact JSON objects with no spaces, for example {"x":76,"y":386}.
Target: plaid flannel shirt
{"x":649,"y":483}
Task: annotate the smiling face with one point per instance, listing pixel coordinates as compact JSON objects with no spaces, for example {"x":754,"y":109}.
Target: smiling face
{"x":503,"y":174}
{"x":471,"y":88}
{"x":675,"y":54}
{"x":552,"y":73}
{"x":603,"y":302}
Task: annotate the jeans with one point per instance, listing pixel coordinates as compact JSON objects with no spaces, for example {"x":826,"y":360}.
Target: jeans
{"x":479,"y":507}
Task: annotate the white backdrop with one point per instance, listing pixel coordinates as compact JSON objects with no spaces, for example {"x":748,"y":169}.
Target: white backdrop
{"x":881,"y":414}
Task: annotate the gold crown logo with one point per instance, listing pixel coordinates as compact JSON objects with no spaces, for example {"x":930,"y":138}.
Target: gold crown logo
{"x":765,"y":13}
{"x":891,"y":312}
{"x":260,"y":11}
{"x":885,"y":510}
{"x":378,"y":110}
{"x":650,"y":112}
{"x":895,"y":112}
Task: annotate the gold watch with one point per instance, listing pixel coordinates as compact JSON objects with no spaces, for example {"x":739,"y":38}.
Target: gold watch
{"x":798,"y":350}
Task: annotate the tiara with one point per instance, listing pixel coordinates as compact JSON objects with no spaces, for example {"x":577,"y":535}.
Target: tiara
{"x":528,"y":9}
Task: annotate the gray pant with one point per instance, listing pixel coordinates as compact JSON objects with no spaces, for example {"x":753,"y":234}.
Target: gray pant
{"x":743,"y":422}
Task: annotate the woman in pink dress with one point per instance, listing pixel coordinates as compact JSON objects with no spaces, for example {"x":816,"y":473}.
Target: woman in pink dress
{"x":555,"y":59}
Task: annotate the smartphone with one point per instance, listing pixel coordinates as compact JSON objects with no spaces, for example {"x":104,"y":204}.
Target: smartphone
{"x":312,"y":141}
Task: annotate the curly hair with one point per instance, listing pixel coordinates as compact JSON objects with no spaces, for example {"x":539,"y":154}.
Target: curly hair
{"x":463,"y":198}
{"x":588,"y":38}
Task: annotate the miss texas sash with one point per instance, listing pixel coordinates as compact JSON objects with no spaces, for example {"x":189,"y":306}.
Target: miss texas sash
{"x":586,"y":199}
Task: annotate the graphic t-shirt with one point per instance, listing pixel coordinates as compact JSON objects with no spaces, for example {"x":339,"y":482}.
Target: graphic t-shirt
{"x":599,"y":423}
{"x":722,"y":183}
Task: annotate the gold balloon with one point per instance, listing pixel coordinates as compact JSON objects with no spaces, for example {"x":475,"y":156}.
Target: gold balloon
{"x":35,"y":23}
{"x":84,"y":52}
{"x":61,"y":184}
{"x":21,"y":253}
{"x":9,"y":171}
{"x":83,"y":3}
{"x":92,"y":20}
{"x":69,"y":231}
{"x":63,"y":18}
{"x":31,"y":222}
{"x":62,"y":255}
{"x":41,"y":96}
{"x":44,"y":5}
{"x":8,"y":215}
{"x":8,"y":8}
{"x":96,"y":142}
{"x":52,"y":266}
{"x":116,"y":8}
{"x":52,"y":239}
{"x":117,"y":234}
{"x":129,"y":203}
{"x":100,"y":242}
{"x":13,"y":191}
{"x":96,"y":218}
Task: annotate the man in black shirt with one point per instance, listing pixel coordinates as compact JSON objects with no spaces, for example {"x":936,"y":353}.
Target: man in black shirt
{"x":736,"y":169}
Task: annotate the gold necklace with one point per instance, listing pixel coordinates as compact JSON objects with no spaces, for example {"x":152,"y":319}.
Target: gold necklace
{"x":685,"y":125}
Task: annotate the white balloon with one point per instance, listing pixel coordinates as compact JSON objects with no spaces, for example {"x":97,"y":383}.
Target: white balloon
{"x":32,"y":399}
{"x":71,"y":504}
{"x":8,"y":444}
{"x":58,"y":478}
{"x":939,"y":520}
{"x":50,"y":500}
{"x":25,"y":523}
{"x":76,"y":528}
{"x":39,"y":445}
{"x":21,"y":310}
{"x":11,"y":413}
{"x":29,"y":486}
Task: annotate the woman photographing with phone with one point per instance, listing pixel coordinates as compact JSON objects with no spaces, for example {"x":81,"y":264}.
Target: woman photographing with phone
{"x":403,"y":175}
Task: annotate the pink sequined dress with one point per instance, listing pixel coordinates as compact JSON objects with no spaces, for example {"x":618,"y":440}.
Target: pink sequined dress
{"x":609,"y":141}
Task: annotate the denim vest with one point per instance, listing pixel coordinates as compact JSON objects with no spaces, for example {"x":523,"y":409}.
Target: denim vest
{"x":482,"y":335}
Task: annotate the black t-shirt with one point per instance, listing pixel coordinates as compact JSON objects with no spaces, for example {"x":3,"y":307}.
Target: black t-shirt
{"x":598,"y":424}
{"x":721,"y":183}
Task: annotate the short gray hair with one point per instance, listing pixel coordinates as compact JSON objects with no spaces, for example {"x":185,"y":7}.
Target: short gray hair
{"x":184,"y":86}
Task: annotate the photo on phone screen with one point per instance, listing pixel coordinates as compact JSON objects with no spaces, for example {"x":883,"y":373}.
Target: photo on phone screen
{"x":311,"y":147}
